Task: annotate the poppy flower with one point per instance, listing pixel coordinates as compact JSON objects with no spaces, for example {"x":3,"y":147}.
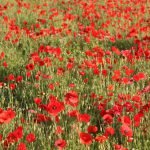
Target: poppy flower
{"x":2,"y":55}
{"x":41,"y":118}
{"x":84,"y":118}
{"x":60,"y":143}
{"x":14,"y":136}
{"x":12,"y":86}
{"x":73,"y":113}
{"x":22,"y":146}
{"x":5,"y":65}
{"x":30,"y":137}
{"x":109,"y":131}
{"x":125,"y":120}
{"x":104,"y":72}
{"x":119,"y":147}
{"x":18,"y":132}
{"x":126,"y":130}
{"x":115,"y":50}
{"x":37,"y":100}
{"x":1,"y":137}
{"x":136,"y":98}
{"x":55,"y":107}
{"x":19,"y":78}
{"x":108,"y":118}
{"x":146,"y":89}
{"x":92,"y":129}
{"x":139,"y":76}
{"x":101,"y":138}
{"x":117,"y":75}
{"x":129,"y":71}
{"x":58,"y":130}
{"x":85,"y":138}
{"x":51,"y":86}
{"x":11,"y":77}
{"x":71,"y":98}
{"x":6,"y":115}
{"x":29,"y":67}
{"x":137,"y":120}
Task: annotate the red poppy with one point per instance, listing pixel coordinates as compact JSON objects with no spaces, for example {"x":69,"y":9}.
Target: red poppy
{"x":30,"y":137}
{"x":104,"y":72}
{"x":5,"y":64}
{"x":11,"y":77}
{"x":60,"y":71}
{"x":1,"y":137}
{"x":19,"y":78}
{"x":60,"y":143}
{"x":139,"y":76}
{"x":41,"y":118}
{"x":109,"y":131}
{"x":72,"y":98}
{"x":125,"y":120}
{"x":84,"y":118}
{"x":126,"y":130}
{"x":28,"y":74}
{"x":129,"y":71}
{"x":119,"y":147}
{"x":37,"y":100}
{"x":92,"y":129}
{"x":14,"y":136}
{"x":12,"y":86}
{"x":55,"y":107}
{"x":146,"y":89}
{"x":51,"y":86}
{"x":117,"y":75}
{"x":85,"y":138}
{"x":30,"y":67}
{"x":136,"y":98}
{"x":108,"y":118}
{"x":125,"y":80}
{"x":101,"y":138}
{"x":115,"y":50}
{"x":18,"y":132}
{"x":137,"y":120}
{"x":2,"y":55}
{"x":6,"y":115}
{"x":58,"y":130}
{"x":22,"y":146}
{"x":73,"y":113}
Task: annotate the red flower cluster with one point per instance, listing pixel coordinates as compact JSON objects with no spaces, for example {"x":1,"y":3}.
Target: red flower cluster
{"x":6,"y":115}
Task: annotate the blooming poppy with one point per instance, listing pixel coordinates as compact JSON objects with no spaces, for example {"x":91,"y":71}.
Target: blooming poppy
{"x":119,"y":147}
{"x":101,"y":138}
{"x":55,"y":107}
{"x":126,"y":130}
{"x":12,"y":86}
{"x":6,"y":115}
{"x":14,"y":136}
{"x":139,"y":76}
{"x":108,"y":118}
{"x":30,"y":67}
{"x":85,"y":138}
{"x":37,"y":100}
{"x":84,"y":118}
{"x":60,"y":144}
{"x":92,"y":129}
{"x":109,"y":131}
{"x":71,"y":98}
{"x":22,"y":146}
{"x":30,"y":137}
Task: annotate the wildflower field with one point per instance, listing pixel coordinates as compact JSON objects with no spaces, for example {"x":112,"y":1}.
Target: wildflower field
{"x":74,"y":74}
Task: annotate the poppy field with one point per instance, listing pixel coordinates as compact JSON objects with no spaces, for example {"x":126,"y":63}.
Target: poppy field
{"x":74,"y":74}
